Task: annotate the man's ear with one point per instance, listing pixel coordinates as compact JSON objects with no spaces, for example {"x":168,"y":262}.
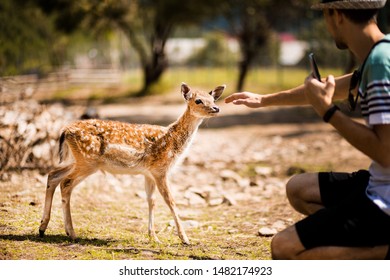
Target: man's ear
{"x":339,"y":17}
{"x":186,"y":91}
{"x":217,"y":92}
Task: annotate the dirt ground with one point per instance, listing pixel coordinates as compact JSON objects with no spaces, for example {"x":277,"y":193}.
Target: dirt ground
{"x":230,"y":189}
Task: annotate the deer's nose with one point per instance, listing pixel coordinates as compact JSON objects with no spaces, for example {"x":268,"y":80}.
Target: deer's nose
{"x":215,"y":109}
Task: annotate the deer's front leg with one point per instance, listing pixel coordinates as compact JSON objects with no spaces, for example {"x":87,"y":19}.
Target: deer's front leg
{"x":163,"y":187}
{"x":150,"y":187}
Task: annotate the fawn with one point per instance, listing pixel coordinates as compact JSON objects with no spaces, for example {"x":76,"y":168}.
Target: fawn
{"x":118,"y":147}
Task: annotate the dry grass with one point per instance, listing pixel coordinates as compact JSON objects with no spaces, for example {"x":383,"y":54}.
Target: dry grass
{"x":114,"y":226}
{"x":110,"y":215}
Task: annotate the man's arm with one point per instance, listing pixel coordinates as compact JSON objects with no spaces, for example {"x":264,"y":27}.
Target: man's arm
{"x":372,"y":141}
{"x":292,"y":97}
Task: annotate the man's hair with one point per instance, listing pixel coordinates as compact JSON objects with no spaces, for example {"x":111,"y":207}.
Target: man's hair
{"x":360,"y":16}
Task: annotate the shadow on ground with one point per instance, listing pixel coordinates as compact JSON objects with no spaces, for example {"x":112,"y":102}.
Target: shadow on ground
{"x":57,"y":239}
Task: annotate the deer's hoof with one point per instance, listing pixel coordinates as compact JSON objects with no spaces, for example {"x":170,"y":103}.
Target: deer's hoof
{"x":41,"y":233}
{"x":186,"y":242}
{"x":154,"y":238}
{"x":72,"y":235}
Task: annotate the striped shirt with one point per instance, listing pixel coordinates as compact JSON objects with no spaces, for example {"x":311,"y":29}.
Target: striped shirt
{"x":374,"y":91}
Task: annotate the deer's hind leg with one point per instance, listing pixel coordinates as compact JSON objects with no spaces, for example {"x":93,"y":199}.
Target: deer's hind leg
{"x":54,"y":178}
{"x":67,"y":186}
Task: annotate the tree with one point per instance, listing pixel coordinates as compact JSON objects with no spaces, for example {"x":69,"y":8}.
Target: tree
{"x":150,"y":23}
{"x":214,"y":53}
{"x":252,"y":30}
{"x":27,"y":38}
{"x":253,"y":21}
{"x":146,"y":23}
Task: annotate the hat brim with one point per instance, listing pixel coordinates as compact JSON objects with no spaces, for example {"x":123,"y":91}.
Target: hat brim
{"x":350,"y":5}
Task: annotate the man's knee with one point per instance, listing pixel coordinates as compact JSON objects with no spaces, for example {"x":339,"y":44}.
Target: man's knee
{"x":276,"y":248}
{"x":302,"y":181}
{"x":286,"y":245}
{"x":302,"y":189}
{"x":293,"y":186}
{"x":295,"y":189}
{"x":279,"y":247}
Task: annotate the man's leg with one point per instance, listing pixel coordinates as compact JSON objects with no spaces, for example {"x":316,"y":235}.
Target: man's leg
{"x":287,"y":245}
{"x":303,"y":193}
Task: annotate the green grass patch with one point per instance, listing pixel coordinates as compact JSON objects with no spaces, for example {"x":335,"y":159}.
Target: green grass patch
{"x":259,"y":80}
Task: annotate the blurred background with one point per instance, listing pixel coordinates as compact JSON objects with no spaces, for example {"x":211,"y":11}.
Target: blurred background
{"x":62,"y":60}
{"x":55,"y":48}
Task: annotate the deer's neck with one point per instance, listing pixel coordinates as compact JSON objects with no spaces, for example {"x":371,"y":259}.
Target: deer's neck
{"x":171,"y":148}
{"x":182,"y":131}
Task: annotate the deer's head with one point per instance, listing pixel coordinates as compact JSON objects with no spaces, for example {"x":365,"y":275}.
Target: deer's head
{"x":202,"y":104}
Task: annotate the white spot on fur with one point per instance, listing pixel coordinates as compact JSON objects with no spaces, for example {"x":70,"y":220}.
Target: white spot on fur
{"x":123,"y":148}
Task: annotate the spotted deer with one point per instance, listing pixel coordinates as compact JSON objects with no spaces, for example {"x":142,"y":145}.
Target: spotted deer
{"x":123,"y":148}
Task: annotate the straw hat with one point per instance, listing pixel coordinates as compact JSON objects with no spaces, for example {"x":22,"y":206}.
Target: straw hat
{"x":350,"y":4}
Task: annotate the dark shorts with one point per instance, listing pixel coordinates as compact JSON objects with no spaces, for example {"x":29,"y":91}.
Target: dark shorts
{"x":349,"y":218}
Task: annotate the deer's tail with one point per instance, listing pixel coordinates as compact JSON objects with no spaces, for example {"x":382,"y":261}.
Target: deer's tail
{"x":63,"y":149}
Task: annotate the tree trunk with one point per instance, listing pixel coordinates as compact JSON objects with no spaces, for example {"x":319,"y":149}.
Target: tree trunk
{"x":152,"y":58}
{"x":243,"y":71}
{"x":158,"y":63}
{"x":252,"y":34}
{"x":249,"y":51}
{"x":153,"y":71}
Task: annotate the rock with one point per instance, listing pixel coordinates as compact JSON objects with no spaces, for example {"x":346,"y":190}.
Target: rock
{"x":230,"y":201}
{"x":295,"y":170}
{"x":141,"y":194}
{"x":244,"y":183}
{"x":216,"y":201}
{"x":30,"y":132}
{"x":42,"y":151}
{"x":263,"y":221}
{"x":253,"y":183}
{"x":279,"y":225}
{"x":266,"y":231}
{"x":196,"y":197}
{"x":228,"y":174}
{"x":264,"y":171}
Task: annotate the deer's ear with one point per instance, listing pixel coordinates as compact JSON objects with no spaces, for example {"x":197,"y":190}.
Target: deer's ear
{"x":186,"y":91}
{"x":217,"y":92}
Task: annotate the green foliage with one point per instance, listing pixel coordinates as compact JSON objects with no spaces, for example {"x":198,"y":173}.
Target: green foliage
{"x":27,"y":39}
{"x":215,"y":53}
{"x":322,"y":44}
{"x":38,"y":35}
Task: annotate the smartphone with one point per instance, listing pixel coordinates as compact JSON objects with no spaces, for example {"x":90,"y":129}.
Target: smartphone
{"x":314,"y":67}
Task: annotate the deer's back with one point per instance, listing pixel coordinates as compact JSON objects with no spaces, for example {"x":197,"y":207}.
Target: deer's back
{"x":103,"y":140}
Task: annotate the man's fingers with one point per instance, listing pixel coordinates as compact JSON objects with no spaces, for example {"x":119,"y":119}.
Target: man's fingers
{"x":233,"y":97}
{"x":240,"y":102}
{"x":330,"y":83}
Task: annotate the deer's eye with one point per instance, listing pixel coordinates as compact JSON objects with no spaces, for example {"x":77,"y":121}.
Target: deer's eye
{"x":198,"y":101}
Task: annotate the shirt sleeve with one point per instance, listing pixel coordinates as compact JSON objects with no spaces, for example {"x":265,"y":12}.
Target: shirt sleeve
{"x":378,"y":94}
